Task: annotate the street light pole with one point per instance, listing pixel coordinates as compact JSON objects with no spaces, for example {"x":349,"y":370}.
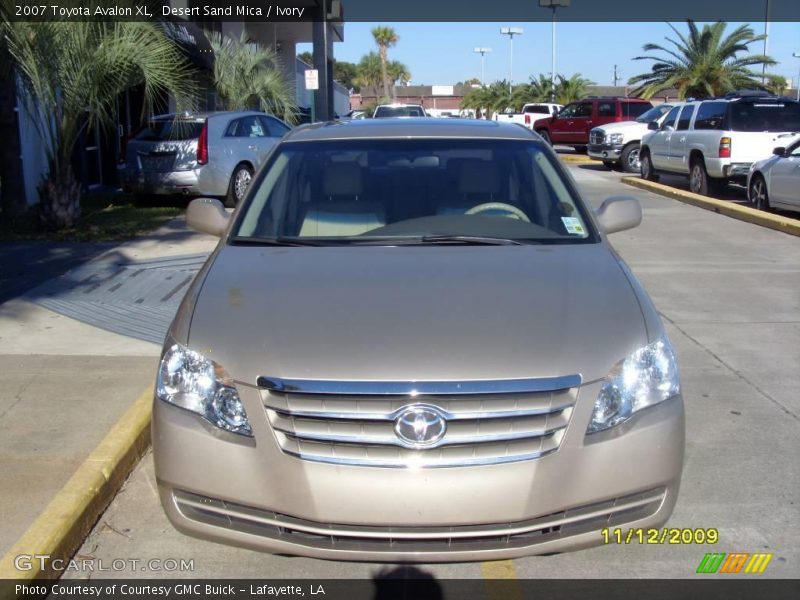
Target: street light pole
{"x":553,"y":5}
{"x":766,"y":46}
{"x":797,"y":55}
{"x":483,"y":52}
{"x":511,"y":32}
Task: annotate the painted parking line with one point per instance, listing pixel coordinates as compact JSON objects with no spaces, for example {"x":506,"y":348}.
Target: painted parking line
{"x":501,"y":580}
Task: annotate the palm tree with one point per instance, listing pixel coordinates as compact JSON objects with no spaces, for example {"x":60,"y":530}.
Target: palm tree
{"x":541,"y":88}
{"x":491,"y":98}
{"x":247,"y":75}
{"x":369,"y":71}
{"x":385,"y":37}
{"x":704,"y":65}
{"x":398,"y":73}
{"x":71,"y":74}
{"x":569,"y":90}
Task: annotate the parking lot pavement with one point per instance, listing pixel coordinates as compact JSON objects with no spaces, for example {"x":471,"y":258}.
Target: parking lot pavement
{"x":64,"y":383}
{"x":728,"y":291}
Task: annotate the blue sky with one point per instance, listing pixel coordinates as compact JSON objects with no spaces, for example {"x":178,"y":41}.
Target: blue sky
{"x":442,"y":53}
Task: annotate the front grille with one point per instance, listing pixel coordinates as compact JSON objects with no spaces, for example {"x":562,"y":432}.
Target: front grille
{"x":311,"y":534}
{"x":353,"y":423}
{"x":597,"y":137}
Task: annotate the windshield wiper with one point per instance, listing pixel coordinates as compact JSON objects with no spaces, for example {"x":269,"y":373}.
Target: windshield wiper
{"x":279,"y":241}
{"x":475,"y":240}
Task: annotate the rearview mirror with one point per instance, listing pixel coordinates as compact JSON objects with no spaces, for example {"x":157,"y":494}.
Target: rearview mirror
{"x":652,"y":126}
{"x":780,"y":151}
{"x":618,"y":213}
{"x":207,"y":215}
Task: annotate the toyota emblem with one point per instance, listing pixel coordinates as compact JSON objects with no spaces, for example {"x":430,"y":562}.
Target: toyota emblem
{"x":420,"y":425}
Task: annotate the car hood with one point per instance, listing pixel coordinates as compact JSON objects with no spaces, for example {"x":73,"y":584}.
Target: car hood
{"x":624,"y":127}
{"x":416,"y":313}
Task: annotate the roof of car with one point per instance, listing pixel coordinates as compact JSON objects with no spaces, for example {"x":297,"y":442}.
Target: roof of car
{"x":409,"y":127}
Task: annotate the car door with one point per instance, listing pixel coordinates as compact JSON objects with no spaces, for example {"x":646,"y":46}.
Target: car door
{"x":580,"y":124}
{"x":275,"y":129}
{"x":784,"y":178}
{"x":606,"y":112}
{"x":659,"y":143}
{"x":678,"y":148}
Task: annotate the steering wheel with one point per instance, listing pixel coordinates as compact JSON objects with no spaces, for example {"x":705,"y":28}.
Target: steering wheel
{"x":487,"y":206}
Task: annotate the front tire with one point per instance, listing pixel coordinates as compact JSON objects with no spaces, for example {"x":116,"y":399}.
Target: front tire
{"x":545,"y":136}
{"x":646,"y":167}
{"x":757,"y":193}
{"x":629,"y":159}
{"x":240,"y":181}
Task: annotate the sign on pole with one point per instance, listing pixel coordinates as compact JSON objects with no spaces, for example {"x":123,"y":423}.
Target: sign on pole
{"x":312,"y":79}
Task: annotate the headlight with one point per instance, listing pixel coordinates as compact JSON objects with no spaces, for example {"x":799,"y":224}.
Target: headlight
{"x":615,"y":138}
{"x":646,"y":377}
{"x":188,"y":379}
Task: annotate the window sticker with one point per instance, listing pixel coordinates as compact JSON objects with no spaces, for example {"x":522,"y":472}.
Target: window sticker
{"x":573,"y":225}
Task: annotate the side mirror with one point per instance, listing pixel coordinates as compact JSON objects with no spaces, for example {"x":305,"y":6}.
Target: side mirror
{"x":207,"y":215}
{"x":618,"y":213}
{"x":780,"y":151}
{"x":652,"y":126}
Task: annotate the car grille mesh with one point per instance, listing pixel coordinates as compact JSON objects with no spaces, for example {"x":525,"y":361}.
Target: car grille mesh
{"x":265,"y":523}
{"x":359,"y":429}
{"x":597,"y":137}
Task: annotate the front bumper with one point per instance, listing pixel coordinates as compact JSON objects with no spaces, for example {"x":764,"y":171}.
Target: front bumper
{"x":607,"y":152}
{"x":247,"y":492}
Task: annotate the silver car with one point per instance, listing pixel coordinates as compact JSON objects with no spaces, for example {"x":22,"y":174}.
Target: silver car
{"x":415,"y":343}
{"x":199,"y":154}
{"x":775,"y":181}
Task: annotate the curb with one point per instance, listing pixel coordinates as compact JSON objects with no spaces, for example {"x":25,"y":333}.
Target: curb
{"x":60,"y":529}
{"x":723,"y":207}
{"x":573,"y":158}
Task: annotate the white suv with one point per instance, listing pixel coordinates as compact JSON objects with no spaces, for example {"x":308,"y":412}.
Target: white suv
{"x":716,"y":141}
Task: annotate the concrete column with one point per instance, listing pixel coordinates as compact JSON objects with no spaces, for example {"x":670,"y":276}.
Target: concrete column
{"x":323,"y":97}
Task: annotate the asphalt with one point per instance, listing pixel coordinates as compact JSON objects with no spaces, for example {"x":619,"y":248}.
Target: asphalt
{"x":728,"y":292}
{"x":63,"y":382}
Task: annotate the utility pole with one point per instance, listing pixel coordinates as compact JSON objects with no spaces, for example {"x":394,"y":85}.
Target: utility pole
{"x":511,"y":32}
{"x":766,"y":45}
{"x":482,"y":52}
{"x":616,"y":77}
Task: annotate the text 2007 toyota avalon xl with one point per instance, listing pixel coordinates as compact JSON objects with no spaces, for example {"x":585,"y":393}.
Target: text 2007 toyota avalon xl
{"x":414,"y":343}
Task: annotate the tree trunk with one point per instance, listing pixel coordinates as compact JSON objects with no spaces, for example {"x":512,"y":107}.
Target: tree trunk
{"x":60,"y":199}
{"x":12,"y":190}
{"x":384,"y":72}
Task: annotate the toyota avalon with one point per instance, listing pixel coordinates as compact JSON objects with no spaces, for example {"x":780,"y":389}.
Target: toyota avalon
{"x":414,"y":342}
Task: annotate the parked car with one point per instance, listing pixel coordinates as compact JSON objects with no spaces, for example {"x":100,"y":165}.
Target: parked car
{"x":775,"y":181}
{"x":617,"y":144}
{"x":353,"y":114}
{"x":199,"y":154}
{"x":716,"y":141}
{"x":571,"y":125}
{"x":383,"y":111}
{"x":415,"y":343}
{"x":530,"y":113}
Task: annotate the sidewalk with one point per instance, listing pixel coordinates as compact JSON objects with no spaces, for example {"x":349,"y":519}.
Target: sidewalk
{"x":63,"y":382}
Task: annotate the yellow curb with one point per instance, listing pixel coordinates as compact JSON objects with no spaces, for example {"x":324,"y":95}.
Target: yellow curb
{"x":67,"y":520}
{"x":573,"y":158}
{"x":729,"y":209}
{"x":501,"y":580}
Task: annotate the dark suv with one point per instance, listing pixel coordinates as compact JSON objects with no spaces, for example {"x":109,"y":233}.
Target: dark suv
{"x":571,"y":126}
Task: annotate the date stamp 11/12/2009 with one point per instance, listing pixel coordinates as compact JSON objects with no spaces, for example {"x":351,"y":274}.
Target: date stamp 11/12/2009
{"x":665,"y":535}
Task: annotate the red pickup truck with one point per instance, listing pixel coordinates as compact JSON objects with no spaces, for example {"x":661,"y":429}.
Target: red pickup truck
{"x":571,"y":125}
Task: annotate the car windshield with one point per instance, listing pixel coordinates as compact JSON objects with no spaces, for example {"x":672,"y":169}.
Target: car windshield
{"x":420,"y":191}
{"x":766,"y":116}
{"x":162,"y":130}
{"x":399,"y":111}
{"x":654,"y":114}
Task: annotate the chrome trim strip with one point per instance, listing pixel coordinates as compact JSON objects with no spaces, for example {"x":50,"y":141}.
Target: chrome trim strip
{"x":460,"y":416}
{"x":419,"y":388}
{"x":422,"y":464}
{"x":345,"y":531}
{"x":395,"y":441}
